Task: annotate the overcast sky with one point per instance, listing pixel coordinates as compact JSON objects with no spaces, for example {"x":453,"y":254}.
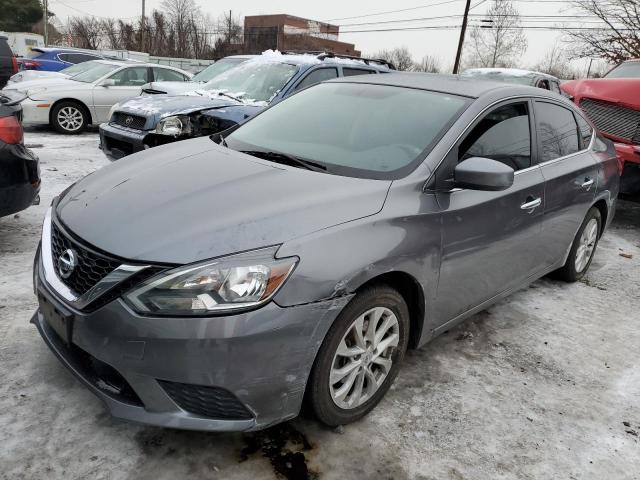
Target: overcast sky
{"x":439,"y":43}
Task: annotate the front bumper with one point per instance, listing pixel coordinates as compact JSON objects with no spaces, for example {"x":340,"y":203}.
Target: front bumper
{"x":628,"y":153}
{"x":261,"y":358}
{"x":117,"y":142}
{"x":35,"y":112}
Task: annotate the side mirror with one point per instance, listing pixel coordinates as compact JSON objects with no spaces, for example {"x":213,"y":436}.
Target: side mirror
{"x":479,"y":173}
{"x":108,"y":82}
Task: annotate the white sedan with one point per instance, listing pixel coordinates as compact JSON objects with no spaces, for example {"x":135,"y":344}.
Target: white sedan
{"x":70,"y":105}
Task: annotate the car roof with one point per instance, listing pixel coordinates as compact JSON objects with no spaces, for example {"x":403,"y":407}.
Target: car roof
{"x":315,"y":59}
{"x":65,"y":49}
{"x":451,"y":84}
{"x":513,"y":72}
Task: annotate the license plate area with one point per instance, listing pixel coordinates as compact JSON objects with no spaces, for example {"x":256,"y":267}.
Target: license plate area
{"x":60,"y":320}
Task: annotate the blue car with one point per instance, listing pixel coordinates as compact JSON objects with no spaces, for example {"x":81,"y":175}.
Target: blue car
{"x":55,"y":59}
{"x":227,"y":100}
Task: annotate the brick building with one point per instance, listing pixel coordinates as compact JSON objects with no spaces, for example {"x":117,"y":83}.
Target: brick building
{"x":286,"y":32}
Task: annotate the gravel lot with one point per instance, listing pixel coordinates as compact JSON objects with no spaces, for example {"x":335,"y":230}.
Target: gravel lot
{"x":545,"y":385}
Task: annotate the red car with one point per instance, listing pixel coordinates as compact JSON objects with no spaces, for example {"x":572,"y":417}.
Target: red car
{"x":613,"y":105}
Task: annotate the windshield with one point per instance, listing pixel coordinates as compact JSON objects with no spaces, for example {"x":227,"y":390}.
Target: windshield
{"x":625,"y":70}
{"x":217,"y":68}
{"x":79,"y":68}
{"x":95,"y":73}
{"x":360,"y":130}
{"x":256,"y":81}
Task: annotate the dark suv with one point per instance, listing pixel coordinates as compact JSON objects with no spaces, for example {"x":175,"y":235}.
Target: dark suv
{"x":19,"y":168}
{"x":8,"y":64}
{"x":229,"y":99}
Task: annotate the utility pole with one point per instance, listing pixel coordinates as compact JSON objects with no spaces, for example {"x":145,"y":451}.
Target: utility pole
{"x":463,"y":31}
{"x":142,"y":21}
{"x":46,"y":22}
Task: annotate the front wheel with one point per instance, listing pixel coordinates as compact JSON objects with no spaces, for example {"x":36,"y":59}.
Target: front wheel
{"x":360,"y":356}
{"x":69,"y":118}
{"x":583,"y":248}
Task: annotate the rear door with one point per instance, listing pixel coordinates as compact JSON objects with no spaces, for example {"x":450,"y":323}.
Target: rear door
{"x":570,"y":170}
{"x":128,"y":83}
{"x":491,"y":240}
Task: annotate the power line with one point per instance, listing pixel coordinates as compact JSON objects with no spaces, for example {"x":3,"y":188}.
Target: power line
{"x":394,"y":11}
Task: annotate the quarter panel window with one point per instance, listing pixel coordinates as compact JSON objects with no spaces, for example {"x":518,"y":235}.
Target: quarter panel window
{"x":131,"y":77}
{"x":503,"y":135}
{"x":317,"y":76}
{"x":557,"y":131}
{"x":166,"y":75}
{"x":350,"y":72}
{"x":586,"y":132}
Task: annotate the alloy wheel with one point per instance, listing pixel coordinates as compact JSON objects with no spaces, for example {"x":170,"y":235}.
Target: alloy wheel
{"x":587,"y":245}
{"x":70,"y":118}
{"x":363,"y":359}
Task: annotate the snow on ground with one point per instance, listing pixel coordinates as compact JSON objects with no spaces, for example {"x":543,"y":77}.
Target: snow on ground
{"x":545,"y":385}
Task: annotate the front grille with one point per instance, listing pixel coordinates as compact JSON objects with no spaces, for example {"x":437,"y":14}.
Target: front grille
{"x":91,"y":267}
{"x":212,"y":402}
{"x":130,"y":121}
{"x":113,"y":144}
{"x":613,"y":119}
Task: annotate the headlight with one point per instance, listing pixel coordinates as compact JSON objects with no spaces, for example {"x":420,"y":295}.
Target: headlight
{"x":112,"y":110}
{"x":231,"y":283}
{"x":177,"y":125}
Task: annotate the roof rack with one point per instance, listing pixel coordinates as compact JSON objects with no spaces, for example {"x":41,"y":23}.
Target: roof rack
{"x":321,"y":55}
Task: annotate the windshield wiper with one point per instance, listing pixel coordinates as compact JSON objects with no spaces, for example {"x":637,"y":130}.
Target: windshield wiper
{"x":222,"y":94}
{"x":286,"y":159}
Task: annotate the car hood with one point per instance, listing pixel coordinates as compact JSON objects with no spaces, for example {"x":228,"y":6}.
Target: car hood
{"x":193,"y":200}
{"x":623,"y":91}
{"x":159,"y":106}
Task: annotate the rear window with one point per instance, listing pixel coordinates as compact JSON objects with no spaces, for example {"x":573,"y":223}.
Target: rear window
{"x":33,"y":54}
{"x":4,"y":48}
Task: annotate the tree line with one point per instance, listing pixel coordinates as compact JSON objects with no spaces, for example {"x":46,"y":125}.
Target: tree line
{"x":181,"y":29}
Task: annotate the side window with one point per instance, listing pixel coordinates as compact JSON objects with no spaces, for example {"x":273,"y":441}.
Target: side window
{"x":317,"y":76}
{"x":586,"y":132}
{"x":558,"y":131}
{"x":503,"y":135}
{"x":131,"y":77}
{"x":555,"y":87}
{"x":166,"y":75}
{"x":64,"y":57}
{"x":543,"y":84}
{"x":350,"y":72}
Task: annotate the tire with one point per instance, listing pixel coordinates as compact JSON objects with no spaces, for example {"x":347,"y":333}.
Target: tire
{"x":583,"y":248}
{"x":391,"y":311}
{"x":69,"y":118}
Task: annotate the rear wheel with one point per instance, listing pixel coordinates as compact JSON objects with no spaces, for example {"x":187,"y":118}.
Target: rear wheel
{"x":583,"y":248}
{"x":360,"y":356}
{"x":69,"y":118}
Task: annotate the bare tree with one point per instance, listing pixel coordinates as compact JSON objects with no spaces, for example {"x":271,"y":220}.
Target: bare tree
{"x":556,"y":62}
{"x":85,"y":32}
{"x":399,"y":56}
{"x":500,"y":41}
{"x":428,"y":64}
{"x":230,"y":35}
{"x":619,"y":37}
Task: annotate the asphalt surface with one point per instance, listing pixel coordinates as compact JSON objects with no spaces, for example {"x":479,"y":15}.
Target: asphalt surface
{"x":544,"y":385}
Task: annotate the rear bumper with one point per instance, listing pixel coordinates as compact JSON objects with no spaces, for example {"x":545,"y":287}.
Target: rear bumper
{"x":261,"y":359}
{"x":19,"y":178}
{"x":117,"y":142}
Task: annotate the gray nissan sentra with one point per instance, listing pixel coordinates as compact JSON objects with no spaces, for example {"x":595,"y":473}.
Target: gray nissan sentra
{"x":215,"y":283}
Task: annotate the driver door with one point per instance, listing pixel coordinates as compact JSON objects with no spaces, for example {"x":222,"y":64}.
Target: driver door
{"x":128,"y":83}
{"x":490,"y":240}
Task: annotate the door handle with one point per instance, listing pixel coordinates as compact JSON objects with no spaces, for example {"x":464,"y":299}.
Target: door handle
{"x":531,"y":204}
{"x":587,"y":183}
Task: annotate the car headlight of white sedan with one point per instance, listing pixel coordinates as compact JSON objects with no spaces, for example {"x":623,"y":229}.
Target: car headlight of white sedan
{"x":175,"y":125}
